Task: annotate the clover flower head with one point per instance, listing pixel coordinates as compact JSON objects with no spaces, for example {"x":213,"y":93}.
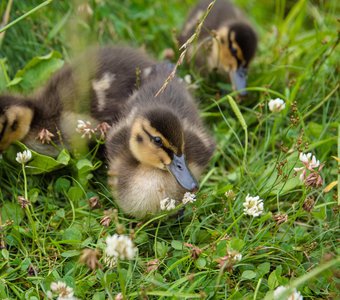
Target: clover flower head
{"x":103,"y":128}
{"x":276,"y":105}
{"x":310,"y":163}
{"x":24,"y":157}
{"x":281,"y":289}
{"x":85,"y":128}
{"x":167,"y":204}
{"x":189,"y":198}
{"x":63,"y":291}
{"x":253,"y":206}
{"x":119,"y":247}
{"x":45,"y":136}
{"x":89,"y":257}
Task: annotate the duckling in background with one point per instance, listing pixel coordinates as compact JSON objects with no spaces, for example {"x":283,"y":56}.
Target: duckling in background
{"x":93,"y":88}
{"x":159,"y":149}
{"x":227,"y":42}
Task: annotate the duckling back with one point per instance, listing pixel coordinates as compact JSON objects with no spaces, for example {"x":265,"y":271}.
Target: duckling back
{"x":94,"y":88}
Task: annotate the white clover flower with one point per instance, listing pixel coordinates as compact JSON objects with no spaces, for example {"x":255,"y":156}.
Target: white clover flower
{"x":310,"y":162}
{"x":119,"y":246}
{"x":281,"y":289}
{"x":24,"y":157}
{"x":237,"y":256}
{"x":168,"y":204}
{"x":253,"y":206}
{"x":276,"y":105}
{"x":63,"y":291}
{"x":85,"y":128}
{"x":189,"y":198}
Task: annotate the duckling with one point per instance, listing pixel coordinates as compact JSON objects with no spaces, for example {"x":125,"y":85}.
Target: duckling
{"x":226,"y":44}
{"x":159,"y":149}
{"x":92,"y":88}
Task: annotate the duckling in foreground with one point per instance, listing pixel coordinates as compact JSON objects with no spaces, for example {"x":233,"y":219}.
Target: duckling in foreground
{"x":159,"y":149}
{"x":227,"y":42}
{"x":93,"y":88}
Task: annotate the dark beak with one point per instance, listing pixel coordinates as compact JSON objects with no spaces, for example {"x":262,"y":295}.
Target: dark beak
{"x":178,"y":168}
{"x":239,"y":79}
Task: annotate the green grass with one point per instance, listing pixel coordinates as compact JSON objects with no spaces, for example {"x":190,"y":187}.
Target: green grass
{"x":297,"y":60}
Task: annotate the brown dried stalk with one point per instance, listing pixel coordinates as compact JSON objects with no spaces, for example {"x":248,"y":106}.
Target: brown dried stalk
{"x":184,"y":47}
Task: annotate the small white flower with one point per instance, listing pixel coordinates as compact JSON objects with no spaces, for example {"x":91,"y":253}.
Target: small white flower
{"x":63,"y":291}
{"x":119,"y":246}
{"x":237,"y":256}
{"x":24,"y":157}
{"x":305,"y":157}
{"x":310,"y":162}
{"x":189,"y":198}
{"x":230,"y":194}
{"x":119,"y":296}
{"x":85,"y":128}
{"x":168,"y":204}
{"x":276,"y":105}
{"x":253,"y":206}
{"x":281,"y":289}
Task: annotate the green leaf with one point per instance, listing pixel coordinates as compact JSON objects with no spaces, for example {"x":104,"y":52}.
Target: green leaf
{"x":12,"y":211}
{"x":248,"y":274}
{"x":84,"y":165}
{"x":36,"y":72}
{"x":73,"y":234}
{"x":178,"y":245}
{"x":39,"y":163}
{"x":263,"y":268}
{"x":5,"y":254}
{"x":61,"y":185}
{"x":99,"y":296}
{"x":200,"y":263}
{"x":75,"y":193}
{"x":161,"y":249}
{"x":272,"y":280}
{"x":236,"y":244}
{"x":70,"y":253}
{"x":25,"y":264}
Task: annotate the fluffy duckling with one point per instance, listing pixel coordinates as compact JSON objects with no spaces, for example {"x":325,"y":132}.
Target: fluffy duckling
{"x":93,"y":88}
{"x":159,"y":149}
{"x":227,"y":42}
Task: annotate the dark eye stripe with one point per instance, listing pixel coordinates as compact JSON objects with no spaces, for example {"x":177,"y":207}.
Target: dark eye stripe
{"x":4,"y":125}
{"x":167,"y":150}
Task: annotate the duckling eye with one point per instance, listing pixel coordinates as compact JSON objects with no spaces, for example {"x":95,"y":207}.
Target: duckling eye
{"x":157,"y":141}
{"x":14,"y":126}
{"x":233,"y":51}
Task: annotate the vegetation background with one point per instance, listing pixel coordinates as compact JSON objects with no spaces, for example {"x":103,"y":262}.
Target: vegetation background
{"x":297,"y":60}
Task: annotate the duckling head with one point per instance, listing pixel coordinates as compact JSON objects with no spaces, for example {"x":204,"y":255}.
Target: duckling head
{"x":15,"y":120}
{"x":157,"y":140}
{"x":237,"y":44}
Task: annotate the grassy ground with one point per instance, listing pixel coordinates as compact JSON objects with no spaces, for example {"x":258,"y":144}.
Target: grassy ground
{"x":297,"y":61}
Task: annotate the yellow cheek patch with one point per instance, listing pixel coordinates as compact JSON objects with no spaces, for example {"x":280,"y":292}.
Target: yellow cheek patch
{"x":234,"y":44}
{"x":225,"y":57}
{"x":18,"y":124}
{"x":143,"y":149}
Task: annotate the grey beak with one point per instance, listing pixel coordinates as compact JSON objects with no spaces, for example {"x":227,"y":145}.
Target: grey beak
{"x":178,"y":168}
{"x":239,"y":79}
